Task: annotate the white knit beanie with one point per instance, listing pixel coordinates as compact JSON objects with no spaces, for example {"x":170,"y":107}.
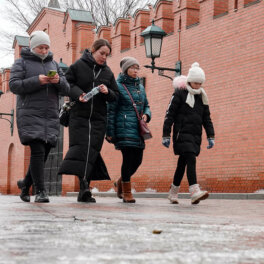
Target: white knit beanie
{"x":196,"y":74}
{"x":127,"y":62}
{"x":39,"y":38}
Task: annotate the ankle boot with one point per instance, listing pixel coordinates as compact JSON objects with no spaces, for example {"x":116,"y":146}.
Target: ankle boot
{"x":24,"y":195}
{"x":173,"y":194}
{"x":41,"y":197}
{"x":118,"y":186}
{"x":127,"y":195}
{"x":196,"y":194}
{"x":85,"y":194}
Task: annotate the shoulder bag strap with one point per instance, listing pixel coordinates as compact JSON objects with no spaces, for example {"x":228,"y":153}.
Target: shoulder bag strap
{"x":133,"y":103}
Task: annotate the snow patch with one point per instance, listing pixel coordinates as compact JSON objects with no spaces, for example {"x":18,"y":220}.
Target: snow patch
{"x":260,"y":191}
{"x":150,"y":190}
{"x":95,"y":190}
{"x":111,"y":190}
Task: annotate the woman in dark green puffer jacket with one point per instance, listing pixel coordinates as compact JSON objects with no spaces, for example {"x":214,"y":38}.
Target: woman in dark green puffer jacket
{"x":122,"y":124}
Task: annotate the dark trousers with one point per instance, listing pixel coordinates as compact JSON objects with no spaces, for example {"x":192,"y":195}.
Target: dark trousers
{"x":35,"y":174}
{"x":132,"y":158}
{"x":186,"y":160}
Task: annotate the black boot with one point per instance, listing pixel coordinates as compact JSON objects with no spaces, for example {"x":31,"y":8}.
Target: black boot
{"x":24,"y":196}
{"x":41,"y":197}
{"x":85,"y":194}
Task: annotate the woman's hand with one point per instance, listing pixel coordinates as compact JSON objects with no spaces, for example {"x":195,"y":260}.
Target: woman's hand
{"x":43,"y":79}
{"x":110,"y":139}
{"x":81,"y":98}
{"x":145,"y":118}
{"x":54,"y":79}
{"x":103,"y":89}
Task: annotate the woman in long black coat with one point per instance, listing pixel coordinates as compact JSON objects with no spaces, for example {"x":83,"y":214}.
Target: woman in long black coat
{"x":188,"y":112}
{"x":87,"y":123}
{"x":37,"y":108}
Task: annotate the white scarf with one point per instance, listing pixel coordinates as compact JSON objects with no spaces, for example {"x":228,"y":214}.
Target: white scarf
{"x":190,"y":97}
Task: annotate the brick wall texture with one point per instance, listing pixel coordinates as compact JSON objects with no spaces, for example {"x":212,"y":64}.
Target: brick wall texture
{"x":225,"y":37}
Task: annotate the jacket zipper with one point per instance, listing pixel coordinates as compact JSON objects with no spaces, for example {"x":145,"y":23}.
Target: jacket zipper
{"x":177,"y":135}
{"x":90,"y":126}
{"x":89,"y":139}
{"x":140,"y":100}
{"x":47,"y":94}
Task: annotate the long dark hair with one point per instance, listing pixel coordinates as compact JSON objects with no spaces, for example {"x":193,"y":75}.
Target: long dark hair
{"x":100,"y":43}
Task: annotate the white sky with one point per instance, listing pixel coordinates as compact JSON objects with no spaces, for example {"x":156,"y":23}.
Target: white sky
{"x":6,"y":60}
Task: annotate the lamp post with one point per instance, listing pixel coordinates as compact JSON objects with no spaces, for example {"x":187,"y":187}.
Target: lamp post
{"x":11,"y":121}
{"x":153,"y":36}
{"x":63,"y":66}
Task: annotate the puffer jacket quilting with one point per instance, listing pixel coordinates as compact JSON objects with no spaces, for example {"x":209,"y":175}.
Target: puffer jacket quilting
{"x":187,"y":123}
{"x":37,"y":112}
{"x":122,"y":122}
{"x":87,"y":123}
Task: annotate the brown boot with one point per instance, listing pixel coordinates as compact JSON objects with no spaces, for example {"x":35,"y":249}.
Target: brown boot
{"x":118,"y":186}
{"x":127,"y":195}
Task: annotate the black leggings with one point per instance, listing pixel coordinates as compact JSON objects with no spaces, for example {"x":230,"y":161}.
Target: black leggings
{"x":186,"y":160}
{"x":132,"y":158}
{"x":35,"y":174}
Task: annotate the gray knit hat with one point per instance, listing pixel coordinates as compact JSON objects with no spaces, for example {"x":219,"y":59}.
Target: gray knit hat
{"x":127,"y":62}
{"x":39,"y":38}
{"x":196,"y":74}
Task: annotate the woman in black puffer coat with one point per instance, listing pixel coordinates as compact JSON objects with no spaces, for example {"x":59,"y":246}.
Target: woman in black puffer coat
{"x":37,"y":108}
{"x":188,"y":112}
{"x":87,"y":123}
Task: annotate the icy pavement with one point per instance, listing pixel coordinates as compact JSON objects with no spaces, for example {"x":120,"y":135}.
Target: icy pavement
{"x":67,"y":232}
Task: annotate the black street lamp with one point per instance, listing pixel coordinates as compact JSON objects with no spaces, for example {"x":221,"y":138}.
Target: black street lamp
{"x":153,"y":36}
{"x":11,"y":121}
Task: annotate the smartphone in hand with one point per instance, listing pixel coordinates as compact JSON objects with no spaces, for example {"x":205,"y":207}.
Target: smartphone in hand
{"x":51,"y":73}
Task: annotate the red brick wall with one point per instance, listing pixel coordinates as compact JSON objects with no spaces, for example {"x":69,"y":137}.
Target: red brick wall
{"x":220,"y":7}
{"x":121,"y":36}
{"x":85,"y":36}
{"x":105,"y":33}
{"x":230,"y":50}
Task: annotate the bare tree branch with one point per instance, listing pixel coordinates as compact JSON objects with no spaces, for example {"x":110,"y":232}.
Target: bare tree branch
{"x":18,"y":13}
{"x":104,"y":12}
{"x":36,"y":6}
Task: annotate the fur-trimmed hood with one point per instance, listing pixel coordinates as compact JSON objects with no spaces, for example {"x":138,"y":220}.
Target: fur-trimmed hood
{"x":180,"y":82}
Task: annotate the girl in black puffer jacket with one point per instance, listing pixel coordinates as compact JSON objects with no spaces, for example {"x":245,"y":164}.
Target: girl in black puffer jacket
{"x":37,"y":108}
{"x":188,"y":112}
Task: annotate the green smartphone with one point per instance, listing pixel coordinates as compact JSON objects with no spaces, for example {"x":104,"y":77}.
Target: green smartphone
{"x":51,"y":73}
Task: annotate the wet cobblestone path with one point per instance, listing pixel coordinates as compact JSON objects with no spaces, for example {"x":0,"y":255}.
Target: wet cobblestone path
{"x":152,"y":231}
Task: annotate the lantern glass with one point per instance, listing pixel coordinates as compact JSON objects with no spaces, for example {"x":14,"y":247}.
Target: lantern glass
{"x":153,"y":46}
{"x":148,"y":47}
{"x":156,"y":46}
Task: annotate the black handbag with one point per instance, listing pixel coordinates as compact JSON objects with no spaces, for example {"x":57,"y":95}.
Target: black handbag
{"x":143,"y":127}
{"x":64,"y":114}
